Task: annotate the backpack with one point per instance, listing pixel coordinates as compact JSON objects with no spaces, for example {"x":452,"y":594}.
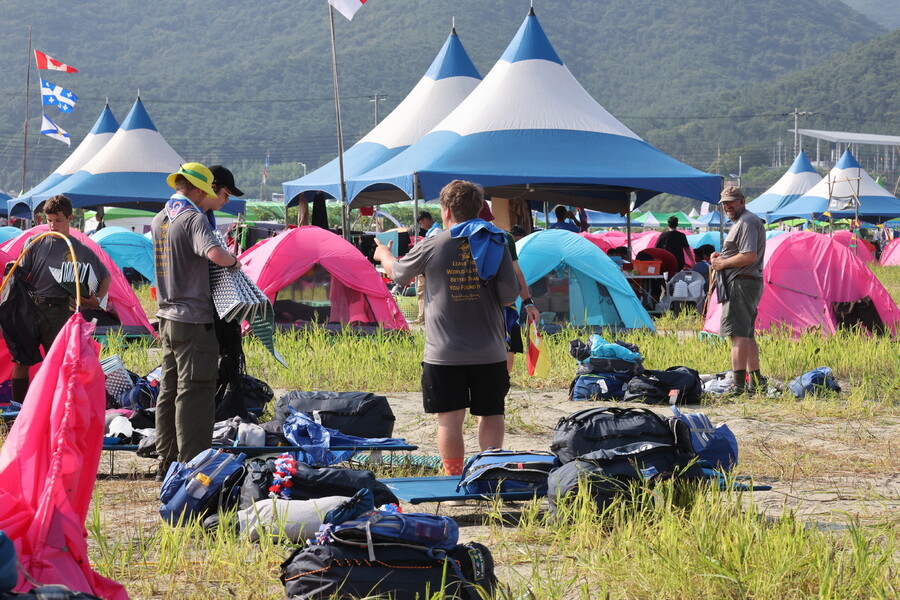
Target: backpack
{"x":142,"y":395}
{"x":654,"y":387}
{"x":319,"y":571}
{"x":200,"y":486}
{"x":814,"y":382}
{"x":598,"y":386}
{"x":606,"y":428}
{"x":717,"y":446}
{"x":362,"y":414}
{"x":378,"y":528}
{"x":243,"y":396}
{"x":310,"y":483}
{"x":611,"y":472}
{"x":494,"y":471}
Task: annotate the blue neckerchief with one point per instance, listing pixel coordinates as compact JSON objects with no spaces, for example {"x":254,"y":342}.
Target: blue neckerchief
{"x":487,"y":243}
{"x":178,"y":205}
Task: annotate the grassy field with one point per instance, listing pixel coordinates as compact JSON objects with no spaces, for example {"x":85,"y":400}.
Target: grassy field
{"x":668,"y":543}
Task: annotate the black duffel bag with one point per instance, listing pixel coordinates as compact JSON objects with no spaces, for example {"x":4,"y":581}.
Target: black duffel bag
{"x":311,"y":482}
{"x":320,"y":572}
{"x":613,"y":472}
{"x":362,"y":414}
{"x":605,"y":428}
{"x":653,"y":387}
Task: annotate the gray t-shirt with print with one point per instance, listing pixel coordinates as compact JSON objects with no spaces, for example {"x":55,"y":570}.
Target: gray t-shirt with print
{"x":464,"y":319}
{"x":182,"y":268}
{"x":748,"y":234}
{"x":52,"y":252}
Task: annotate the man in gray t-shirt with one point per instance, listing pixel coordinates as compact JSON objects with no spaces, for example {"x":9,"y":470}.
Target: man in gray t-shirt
{"x":469,"y":278}
{"x":184,"y":245}
{"x":739,"y":268}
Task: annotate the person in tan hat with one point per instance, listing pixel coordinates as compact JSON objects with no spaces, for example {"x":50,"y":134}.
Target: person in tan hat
{"x":184,"y":245}
{"x":738,"y":269}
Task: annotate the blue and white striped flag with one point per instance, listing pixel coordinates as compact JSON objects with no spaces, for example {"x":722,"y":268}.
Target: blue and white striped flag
{"x":51,"y":129}
{"x":54,"y":95}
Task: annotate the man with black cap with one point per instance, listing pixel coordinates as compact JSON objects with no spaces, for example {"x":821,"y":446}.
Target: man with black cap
{"x":184,"y":245}
{"x":739,"y":269}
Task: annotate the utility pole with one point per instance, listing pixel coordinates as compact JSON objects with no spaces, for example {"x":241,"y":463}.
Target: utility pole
{"x":376,"y":98}
{"x":797,"y":114}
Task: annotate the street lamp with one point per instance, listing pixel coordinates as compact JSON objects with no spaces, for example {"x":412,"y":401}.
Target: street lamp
{"x":376,"y":98}
{"x":304,"y":167}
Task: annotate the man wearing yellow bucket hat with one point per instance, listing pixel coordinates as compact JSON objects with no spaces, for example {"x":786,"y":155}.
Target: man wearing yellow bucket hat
{"x":184,"y":245}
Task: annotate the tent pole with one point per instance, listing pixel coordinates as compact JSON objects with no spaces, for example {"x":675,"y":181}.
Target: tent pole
{"x":345,"y":213}
{"x":416,"y":202}
{"x":546,"y":216}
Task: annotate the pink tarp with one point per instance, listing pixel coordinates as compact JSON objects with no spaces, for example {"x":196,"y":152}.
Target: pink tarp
{"x":647,"y":239}
{"x":849,"y":240}
{"x":890,"y":256}
{"x":357,"y":292}
{"x":48,"y":466}
{"x":804,"y":274}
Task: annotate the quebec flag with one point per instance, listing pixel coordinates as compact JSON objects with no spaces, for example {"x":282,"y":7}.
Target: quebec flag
{"x":54,"y":95}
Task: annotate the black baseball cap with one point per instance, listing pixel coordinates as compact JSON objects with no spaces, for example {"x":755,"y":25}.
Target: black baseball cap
{"x":224,"y":177}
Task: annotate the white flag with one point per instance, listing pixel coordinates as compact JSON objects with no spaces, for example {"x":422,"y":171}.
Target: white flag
{"x":51,"y":129}
{"x":347,"y":8}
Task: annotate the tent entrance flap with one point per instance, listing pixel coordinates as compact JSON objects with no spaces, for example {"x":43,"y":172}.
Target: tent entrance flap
{"x":317,"y":297}
{"x":860,"y":313}
{"x":567,"y":296}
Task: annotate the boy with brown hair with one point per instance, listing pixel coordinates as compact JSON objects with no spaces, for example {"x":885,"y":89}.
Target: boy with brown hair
{"x":53,"y":302}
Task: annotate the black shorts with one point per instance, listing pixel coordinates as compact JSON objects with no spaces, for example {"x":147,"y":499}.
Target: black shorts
{"x":480,"y":388}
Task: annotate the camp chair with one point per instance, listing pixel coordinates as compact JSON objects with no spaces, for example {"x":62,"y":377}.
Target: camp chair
{"x":685,"y":290}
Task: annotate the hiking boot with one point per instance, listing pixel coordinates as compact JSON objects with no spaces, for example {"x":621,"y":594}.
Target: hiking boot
{"x":757,"y":385}
{"x":161,"y":471}
{"x":734,"y":391}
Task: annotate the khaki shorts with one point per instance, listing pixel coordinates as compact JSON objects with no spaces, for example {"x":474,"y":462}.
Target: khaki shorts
{"x":739,"y":312}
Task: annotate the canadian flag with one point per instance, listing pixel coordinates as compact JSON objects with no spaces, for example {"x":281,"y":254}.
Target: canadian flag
{"x":48,"y":62}
{"x":347,"y":8}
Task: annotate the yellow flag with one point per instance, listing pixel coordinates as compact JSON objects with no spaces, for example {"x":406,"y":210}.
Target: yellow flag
{"x":537,"y":357}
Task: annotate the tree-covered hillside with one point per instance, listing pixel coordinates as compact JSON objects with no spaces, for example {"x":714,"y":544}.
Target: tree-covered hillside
{"x":230,"y":82}
{"x":885,"y":12}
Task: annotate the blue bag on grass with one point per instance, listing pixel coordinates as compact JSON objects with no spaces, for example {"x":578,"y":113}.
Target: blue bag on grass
{"x":715,"y":445}
{"x":813,"y":382}
{"x":498,"y":470}
{"x":598,"y":386}
{"x":192,"y":489}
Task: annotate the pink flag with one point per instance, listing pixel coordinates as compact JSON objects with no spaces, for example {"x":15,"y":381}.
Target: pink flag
{"x":48,"y":466}
{"x":48,"y":62}
{"x":347,"y":8}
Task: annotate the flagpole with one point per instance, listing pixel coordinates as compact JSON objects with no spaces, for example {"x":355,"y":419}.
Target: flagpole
{"x":27,"y":85}
{"x":345,"y":220}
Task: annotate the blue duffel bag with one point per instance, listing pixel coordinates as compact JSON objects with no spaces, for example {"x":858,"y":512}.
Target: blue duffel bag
{"x":498,"y":470}
{"x":195,"y":489}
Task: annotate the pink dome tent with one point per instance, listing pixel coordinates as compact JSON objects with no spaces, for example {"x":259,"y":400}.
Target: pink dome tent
{"x":890,"y":256}
{"x":314,"y":276}
{"x":850,"y":240}
{"x":813,"y":282}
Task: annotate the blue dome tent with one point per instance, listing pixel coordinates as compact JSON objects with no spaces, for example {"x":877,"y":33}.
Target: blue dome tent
{"x":128,"y":249}
{"x":578,"y":283}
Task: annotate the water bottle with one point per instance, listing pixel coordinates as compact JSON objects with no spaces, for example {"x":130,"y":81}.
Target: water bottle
{"x":197,"y":485}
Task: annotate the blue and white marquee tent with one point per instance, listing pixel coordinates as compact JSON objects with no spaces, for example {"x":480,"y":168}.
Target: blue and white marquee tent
{"x":102,"y":131}
{"x":449,"y":79}
{"x":597,"y":293}
{"x":130,"y":170}
{"x":529,"y":130}
{"x":846,"y":189}
{"x":798,"y":180}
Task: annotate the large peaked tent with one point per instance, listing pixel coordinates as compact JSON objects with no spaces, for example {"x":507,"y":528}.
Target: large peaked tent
{"x":809,"y":279}
{"x":571,"y":277}
{"x":837,"y":193}
{"x":531,"y":131}
{"x":799,"y":179}
{"x":449,"y":79}
{"x":100,"y":134}
{"x":130,"y":170}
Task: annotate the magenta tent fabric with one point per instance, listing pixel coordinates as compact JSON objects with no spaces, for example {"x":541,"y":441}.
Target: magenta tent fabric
{"x":357,"y":292}
{"x":48,"y":465}
{"x":890,"y":256}
{"x":121,"y":296}
{"x":850,"y":240}
{"x":804,"y":274}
